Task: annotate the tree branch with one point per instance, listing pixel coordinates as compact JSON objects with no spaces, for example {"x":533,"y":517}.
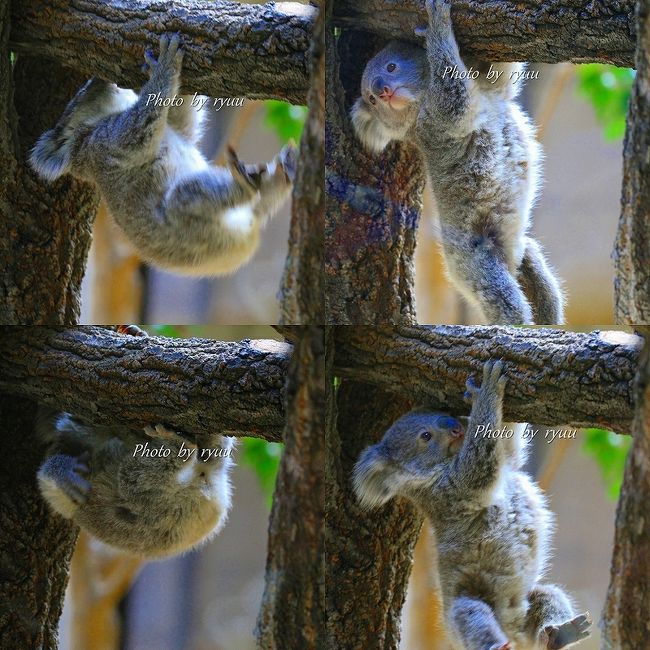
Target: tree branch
{"x":556,"y":377}
{"x":506,"y":30}
{"x":231,"y":49}
{"x":194,"y":385}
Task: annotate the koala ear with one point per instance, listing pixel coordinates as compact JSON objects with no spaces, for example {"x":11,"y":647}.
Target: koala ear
{"x":367,"y":127}
{"x":371,"y":479}
{"x":50,"y":157}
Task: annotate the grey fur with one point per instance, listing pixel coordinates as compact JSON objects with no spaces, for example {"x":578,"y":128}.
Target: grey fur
{"x":490,"y":522}
{"x":145,"y":506}
{"x":178,"y":211}
{"x":483,"y":163}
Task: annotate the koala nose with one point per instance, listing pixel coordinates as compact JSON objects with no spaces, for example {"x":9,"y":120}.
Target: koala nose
{"x":378,"y":86}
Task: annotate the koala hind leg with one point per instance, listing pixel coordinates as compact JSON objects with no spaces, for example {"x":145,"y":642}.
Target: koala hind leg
{"x":474,"y":624}
{"x":550,"y":621}
{"x":541,"y":286}
{"x":62,"y":480}
{"x":485,"y":278}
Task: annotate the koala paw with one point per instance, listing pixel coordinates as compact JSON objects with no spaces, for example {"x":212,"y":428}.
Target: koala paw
{"x":161,"y":432}
{"x":170,"y":57}
{"x":493,"y":381}
{"x":68,"y":474}
{"x":288,"y":159}
{"x":558,"y":636}
{"x":246,"y":176}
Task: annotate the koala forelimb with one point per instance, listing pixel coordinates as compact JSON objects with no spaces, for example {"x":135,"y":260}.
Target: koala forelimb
{"x":482,"y":160}
{"x":491,"y":524}
{"x":179,"y":211}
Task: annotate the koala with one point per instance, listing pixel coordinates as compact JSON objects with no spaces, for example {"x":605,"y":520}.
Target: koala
{"x":483,"y":163}
{"x":135,"y":499}
{"x":180,"y":212}
{"x":490,"y":522}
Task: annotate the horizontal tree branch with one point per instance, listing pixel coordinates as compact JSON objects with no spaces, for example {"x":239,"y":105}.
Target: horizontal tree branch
{"x":193,"y":385}
{"x":548,"y":31}
{"x":555,"y":377}
{"x":231,"y":49}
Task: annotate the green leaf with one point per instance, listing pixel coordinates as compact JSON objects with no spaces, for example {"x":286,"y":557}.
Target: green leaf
{"x":285,"y":119}
{"x":609,"y":450}
{"x":608,"y":89}
{"x":264,"y":458}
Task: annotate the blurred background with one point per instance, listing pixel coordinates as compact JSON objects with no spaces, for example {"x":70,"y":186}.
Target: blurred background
{"x":207,"y":599}
{"x":580,"y":113}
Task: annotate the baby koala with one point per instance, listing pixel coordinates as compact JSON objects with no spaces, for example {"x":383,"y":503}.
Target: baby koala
{"x":482,"y":161}
{"x":134,"y":491}
{"x":179,"y":211}
{"x":491,"y":525}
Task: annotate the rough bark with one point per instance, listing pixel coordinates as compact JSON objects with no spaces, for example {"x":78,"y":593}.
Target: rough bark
{"x":556,"y":377}
{"x":43,"y":249}
{"x":506,"y":30}
{"x":625,"y":622}
{"x":372,"y":204}
{"x":194,"y":385}
{"x":368,"y":553}
{"x":36,"y":546}
{"x":632,"y":247}
{"x":44,"y":232}
{"x":231,"y":49}
{"x":301,"y":294}
{"x":296,"y":558}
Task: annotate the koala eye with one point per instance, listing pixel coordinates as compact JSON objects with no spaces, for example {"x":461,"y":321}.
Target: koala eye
{"x":391,"y":67}
{"x":372,"y":99}
{"x":426,"y":435}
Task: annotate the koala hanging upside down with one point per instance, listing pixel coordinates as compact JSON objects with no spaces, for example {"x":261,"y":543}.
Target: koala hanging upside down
{"x":491,"y":525}
{"x":179,"y":211}
{"x":142,"y":502}
{"x":482,"y":161}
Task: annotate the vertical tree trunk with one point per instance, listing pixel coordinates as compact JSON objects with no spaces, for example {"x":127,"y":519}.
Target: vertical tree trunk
{"x":302,"y":283}
{"x":44,"y":240}
{"x":44,"y":229}
{"x":373,"y":203}
{"x":292,"y":611}
{"x":368,"y":554}
{"x":632,"y":248}
{"x":625,"y":617}
{"x":36,"y":546}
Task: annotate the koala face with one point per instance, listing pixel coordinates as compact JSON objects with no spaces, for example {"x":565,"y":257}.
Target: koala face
{"x":391,"y":88}
{"x":411,"y":455}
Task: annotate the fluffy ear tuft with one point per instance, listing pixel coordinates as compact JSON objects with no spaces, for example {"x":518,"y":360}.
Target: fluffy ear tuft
{"x":367,"y":127}
{"x":371,"y":480}
{"x":50,"y":157}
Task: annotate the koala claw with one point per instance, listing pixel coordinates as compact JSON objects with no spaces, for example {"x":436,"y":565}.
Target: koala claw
{"x":558,"y":636}
{"x":73,"y":483}
{"x":288,"y":159}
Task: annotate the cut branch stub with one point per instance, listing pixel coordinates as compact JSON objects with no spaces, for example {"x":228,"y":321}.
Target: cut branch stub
{"x":193,"y":385}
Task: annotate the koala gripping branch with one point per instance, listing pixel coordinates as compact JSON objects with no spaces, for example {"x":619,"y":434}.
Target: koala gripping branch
{"x":232,"y":49}
{"x":556,"y":377}
{"x":550,"y":31}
